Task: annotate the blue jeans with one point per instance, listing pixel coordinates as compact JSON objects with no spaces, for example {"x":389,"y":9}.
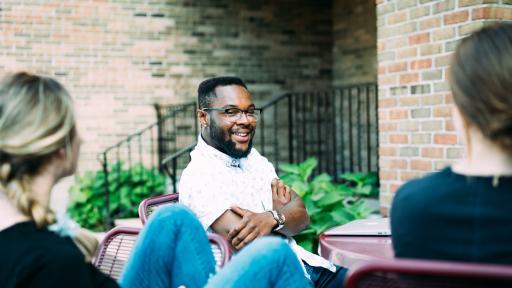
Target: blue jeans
{"x":173,"y":250}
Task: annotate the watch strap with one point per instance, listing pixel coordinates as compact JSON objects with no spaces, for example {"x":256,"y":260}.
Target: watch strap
{"x":279,"y":217}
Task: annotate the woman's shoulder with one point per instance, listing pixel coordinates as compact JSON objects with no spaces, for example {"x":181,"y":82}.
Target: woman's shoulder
{"x":38,"y":257}
{"x":26,"y":237}
{"x":432,"y":183}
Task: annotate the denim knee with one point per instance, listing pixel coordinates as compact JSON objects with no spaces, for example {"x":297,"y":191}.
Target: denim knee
{"x":171,"y":213}
{"x":274,"y":247}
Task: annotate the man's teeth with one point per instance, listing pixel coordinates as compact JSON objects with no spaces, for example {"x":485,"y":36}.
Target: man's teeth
{"x":242,"y":134}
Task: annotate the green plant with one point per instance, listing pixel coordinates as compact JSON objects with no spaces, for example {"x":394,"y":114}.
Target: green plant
{"x":364,"y":184}
{"x":127,"y":188}
{"x":328,"y":203}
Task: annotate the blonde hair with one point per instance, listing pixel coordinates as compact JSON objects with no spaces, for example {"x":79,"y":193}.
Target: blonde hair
{"x":36,"y":120}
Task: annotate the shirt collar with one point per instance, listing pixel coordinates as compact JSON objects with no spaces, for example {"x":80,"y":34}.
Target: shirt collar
{"x":229,"y":161}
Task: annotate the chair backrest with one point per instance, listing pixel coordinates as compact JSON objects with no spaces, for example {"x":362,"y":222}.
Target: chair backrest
{"x":220,"y":247}
{"x":403,"y":273}
{"x":115,"y":249}
{"x":148,"y":205}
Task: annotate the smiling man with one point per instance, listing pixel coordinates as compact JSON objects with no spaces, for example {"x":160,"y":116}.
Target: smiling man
{"x":232,"y":189}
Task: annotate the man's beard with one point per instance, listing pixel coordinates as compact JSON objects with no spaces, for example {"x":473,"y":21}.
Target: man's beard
{"x":227,"y":146}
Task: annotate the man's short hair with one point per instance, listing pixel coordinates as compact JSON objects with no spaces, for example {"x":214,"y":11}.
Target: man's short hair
{"x":206,"y":90}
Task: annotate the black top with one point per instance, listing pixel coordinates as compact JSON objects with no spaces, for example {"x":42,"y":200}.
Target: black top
{"x":32,"y":257}
{"x":449,"y":216}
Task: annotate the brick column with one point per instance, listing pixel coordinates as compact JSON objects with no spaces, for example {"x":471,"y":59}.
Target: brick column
{"x":415,"y":40}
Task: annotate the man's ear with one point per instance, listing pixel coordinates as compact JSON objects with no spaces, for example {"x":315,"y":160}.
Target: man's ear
{"x":203,"y":117}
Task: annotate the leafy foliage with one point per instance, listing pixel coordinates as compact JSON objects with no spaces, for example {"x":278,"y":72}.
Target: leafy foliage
{"x":127,"y":187}
{"x":328,"y":203}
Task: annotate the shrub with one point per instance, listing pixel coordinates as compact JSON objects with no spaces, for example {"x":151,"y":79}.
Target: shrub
{"x":127,"y":187}
{"x":328,"y":203}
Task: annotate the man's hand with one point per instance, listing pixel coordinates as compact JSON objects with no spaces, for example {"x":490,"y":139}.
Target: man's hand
{"x":281,"y":194}
{"x":252,"y":226}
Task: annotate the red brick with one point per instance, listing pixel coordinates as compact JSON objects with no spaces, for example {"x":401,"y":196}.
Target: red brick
{"x":383,"y":115}
{"x":397,"y":67}
{"x":422,"y":165}
{"x":397,"y":17}
{"x":387,"y":80}
{"x":398,"y":139}
{"x":381,"y":46}
{"x":430,"y":49}
{"x":406,"y":53}
{"x":456,"y":17}
{"x":431,"y":152}
{"x":443,"y":61}
{"x":387,"y":126}
{"x":398,"y":164}
{"x":409,"y":101}
{"x":388,"y":151}
{"x":443,"y":34}
{"x":388,"y":175}
{"x":430,"y":23}
{"x":448,"y":98}
{"x":421,"y":64}
{"x":387,"y":102}
{"x":446,"y":139}
{"x":408,"y":175}
{"x":399,"y":114}
{"x":442,"y":112}
{"x":419,"y":38}
{"x":449,"y":126}
{"x":494,"y":13}
{"x":409,"y":78}
{"x":382,"y":69}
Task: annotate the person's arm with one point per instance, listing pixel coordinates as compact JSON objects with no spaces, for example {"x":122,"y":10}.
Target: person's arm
{"x":286,"y":201}
{"x":241,"y":226}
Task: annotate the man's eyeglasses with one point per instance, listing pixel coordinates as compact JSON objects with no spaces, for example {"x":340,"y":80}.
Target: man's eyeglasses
{"x":234,"y":114}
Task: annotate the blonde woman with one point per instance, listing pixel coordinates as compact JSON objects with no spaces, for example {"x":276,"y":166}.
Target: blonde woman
{"x":39,"y":145}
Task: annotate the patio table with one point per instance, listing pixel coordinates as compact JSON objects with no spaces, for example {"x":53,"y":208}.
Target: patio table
{"x":349,"y":250}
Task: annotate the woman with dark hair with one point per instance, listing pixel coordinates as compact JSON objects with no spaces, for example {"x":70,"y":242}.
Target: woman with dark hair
{"x":464,"y":211}
{"x":39,"y":145}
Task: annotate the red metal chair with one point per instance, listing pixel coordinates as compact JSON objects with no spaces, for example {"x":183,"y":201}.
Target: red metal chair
{"x":115,"y":249}
{"x":402,"y":273}
{"x":220,"y":247}
{"x":148,"y":205}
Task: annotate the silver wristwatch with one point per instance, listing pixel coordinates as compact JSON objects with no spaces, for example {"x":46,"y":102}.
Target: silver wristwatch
{"x":279,"y":217}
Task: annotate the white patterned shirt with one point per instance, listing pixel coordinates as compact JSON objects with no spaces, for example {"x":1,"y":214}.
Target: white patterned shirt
{"x":213,"y":182}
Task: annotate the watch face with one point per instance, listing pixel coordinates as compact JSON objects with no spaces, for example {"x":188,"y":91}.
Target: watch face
{"x":280,"y":219}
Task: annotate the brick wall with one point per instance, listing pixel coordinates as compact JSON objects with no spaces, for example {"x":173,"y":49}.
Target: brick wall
{"x":415,"y":41}
{"x":119,"y":57}
{"x":355,"y":51}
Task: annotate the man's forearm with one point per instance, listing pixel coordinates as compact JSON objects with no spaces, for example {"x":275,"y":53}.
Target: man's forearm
{"x":297,"y":218}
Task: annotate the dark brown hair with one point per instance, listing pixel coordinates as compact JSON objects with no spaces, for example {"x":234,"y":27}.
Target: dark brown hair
{"x":481,"y":82}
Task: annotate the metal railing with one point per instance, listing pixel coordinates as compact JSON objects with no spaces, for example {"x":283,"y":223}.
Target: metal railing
{"x":175,"y":128}
{"x":338,"y":127}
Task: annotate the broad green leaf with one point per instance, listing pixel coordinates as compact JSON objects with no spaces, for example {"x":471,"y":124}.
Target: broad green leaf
{"x":300,"y":188}
{"x":289,"y":168}
{"x":329,"y":199}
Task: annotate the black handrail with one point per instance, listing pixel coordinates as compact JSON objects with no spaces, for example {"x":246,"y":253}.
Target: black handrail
{"x":175,"y":128}
{"x":172,"y":170}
